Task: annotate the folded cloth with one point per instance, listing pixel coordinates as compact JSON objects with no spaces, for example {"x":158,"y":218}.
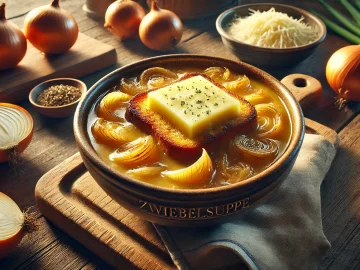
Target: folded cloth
{"x":284,"y":232}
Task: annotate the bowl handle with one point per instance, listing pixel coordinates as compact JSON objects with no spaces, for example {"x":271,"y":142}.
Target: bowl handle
{"x":305,"y":88}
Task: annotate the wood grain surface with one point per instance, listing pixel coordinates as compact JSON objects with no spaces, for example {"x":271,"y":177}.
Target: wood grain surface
{"x":85,"y":57}
{"x":70,"y":197}
{"x":53,"y":142}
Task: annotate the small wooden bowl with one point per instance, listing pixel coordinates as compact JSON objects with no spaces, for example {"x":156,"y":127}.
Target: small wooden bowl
{"x":186,"y":207}
{"x":269,"y":57}
{"x":56,"y":111}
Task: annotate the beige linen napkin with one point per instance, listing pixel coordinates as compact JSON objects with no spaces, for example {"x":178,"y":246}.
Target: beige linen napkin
{"x":285,"y":232}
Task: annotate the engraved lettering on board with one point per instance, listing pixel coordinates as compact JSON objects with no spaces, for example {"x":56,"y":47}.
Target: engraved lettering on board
{"x":193,"y":213}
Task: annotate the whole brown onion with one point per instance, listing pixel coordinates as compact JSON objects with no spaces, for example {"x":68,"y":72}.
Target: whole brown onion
{"x":123,"y":18}
{"x":160,"y":29}
{"x":343,"y":74}
{"x":51,"y":29}
{"x":12,"y":42}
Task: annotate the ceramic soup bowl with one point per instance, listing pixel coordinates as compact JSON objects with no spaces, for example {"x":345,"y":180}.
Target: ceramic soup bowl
{"x":187,"y":207}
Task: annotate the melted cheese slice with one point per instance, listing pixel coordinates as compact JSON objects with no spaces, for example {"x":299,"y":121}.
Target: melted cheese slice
{"x":194,"y":106}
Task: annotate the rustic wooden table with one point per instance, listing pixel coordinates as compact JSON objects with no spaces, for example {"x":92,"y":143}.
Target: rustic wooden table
{"x":53,"y":142}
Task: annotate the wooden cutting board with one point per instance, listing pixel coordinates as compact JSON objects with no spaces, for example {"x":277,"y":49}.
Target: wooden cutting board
{"x":70,"y":198}
{"x":86,"y":56}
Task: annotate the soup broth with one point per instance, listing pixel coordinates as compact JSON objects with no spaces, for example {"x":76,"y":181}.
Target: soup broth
{"x":233,"y":159}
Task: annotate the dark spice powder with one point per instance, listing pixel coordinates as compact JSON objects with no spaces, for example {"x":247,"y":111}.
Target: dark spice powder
{"x":59,"y":95}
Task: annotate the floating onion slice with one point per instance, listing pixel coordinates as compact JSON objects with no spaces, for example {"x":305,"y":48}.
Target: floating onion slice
{"x":158,"y":82}
{"x":223,"y":75}
{"x":268,"y":120}
{"x":258,"y":97}
{"x":197,"y":173}
{"x":258,"y":148}
{"x":218,"y":74}
{"x":150,"y":78}
{"x":110,"y":103}
{"x":114,"y":134}
{"x":14,"y":224}
{"x":147,"y":171}
{"x":240,"y":85}
{"x":16,"y":129}
{"x":136,"y":153}
{"x":156,"y":72}
{"x":131,"y":87}
{"x":235,"y":173}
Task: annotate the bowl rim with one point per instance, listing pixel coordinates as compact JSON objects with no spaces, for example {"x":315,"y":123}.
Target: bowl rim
{"x":83,"y":90}
{"x":319,"y":22}
{"x":86,"y":148}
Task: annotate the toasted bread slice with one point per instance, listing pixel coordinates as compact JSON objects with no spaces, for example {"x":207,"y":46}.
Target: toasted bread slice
{"x":175,"y":142}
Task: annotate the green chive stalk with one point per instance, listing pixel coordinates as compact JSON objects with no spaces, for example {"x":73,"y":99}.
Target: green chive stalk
{"x":338,"y":29}
{"x":357,"y":4}
{"x":352,"y":10}
{"x":343,"y":19}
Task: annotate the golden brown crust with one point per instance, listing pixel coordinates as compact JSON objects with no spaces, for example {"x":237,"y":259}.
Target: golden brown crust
{"x":176,"y":143}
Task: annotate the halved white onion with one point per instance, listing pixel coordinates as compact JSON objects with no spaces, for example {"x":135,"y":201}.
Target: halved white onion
{"x":258,"y":148}
{"x":113,"y":133}
{"x":16,"y":129}
{"x":269,"y":121}
{"x":14,"y":224}
{"x":110,"y":103}
{"x":197,"y":173}
{"x":142,"y":151}
{"x":147,"y":171}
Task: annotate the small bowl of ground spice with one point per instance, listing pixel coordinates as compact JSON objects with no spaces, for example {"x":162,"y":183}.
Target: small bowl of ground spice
{"x":57,"y":98}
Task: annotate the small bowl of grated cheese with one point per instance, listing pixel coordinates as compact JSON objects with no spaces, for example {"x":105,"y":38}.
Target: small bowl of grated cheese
{"x":270,"y":35}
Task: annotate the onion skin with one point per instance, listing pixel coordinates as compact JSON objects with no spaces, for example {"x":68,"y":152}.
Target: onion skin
{"x":161,"y":29}
{"x":51,"y":29}
{"x":342,"y":72}
{"x":9,"y":245}
{"x":13,"y":44}
{"x":25,"y":142}
{"x":123,"y":18}
{"x":353,"y":82}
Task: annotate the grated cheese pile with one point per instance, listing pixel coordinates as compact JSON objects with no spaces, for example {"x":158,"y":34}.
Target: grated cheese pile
{"x":272,"y":29}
